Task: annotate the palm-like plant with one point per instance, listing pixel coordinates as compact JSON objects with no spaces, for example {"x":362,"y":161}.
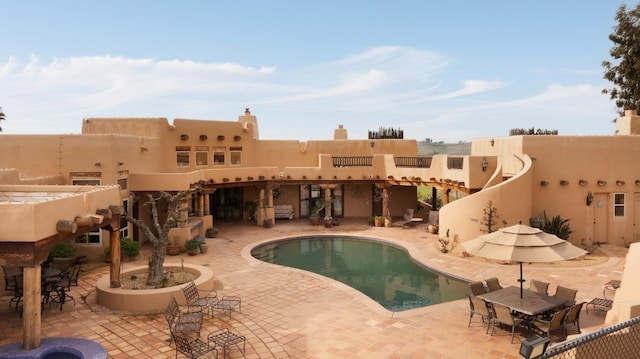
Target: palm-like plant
{"x":558,"y":226}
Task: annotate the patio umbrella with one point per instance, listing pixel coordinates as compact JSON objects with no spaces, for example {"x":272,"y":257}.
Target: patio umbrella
{"x":522,"y":243}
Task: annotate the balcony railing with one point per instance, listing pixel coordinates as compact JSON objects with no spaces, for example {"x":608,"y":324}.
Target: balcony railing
{"x":352,"y":161}
{"x":415,"y":162}
{"x":455,"y":162}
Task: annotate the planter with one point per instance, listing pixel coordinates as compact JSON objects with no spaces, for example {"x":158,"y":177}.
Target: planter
{"x":204,"y":248}
{"x":173,"y":250}
{"x":387,"y":222}
{"x":193,"y":252}
{"x":378,"y":222}
{"x":328,"y":223}
{"x":314,"y":220}
{"x":433,"y":229}
{"x":267,"y":223}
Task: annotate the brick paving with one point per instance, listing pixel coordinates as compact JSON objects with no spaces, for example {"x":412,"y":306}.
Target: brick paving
{"x":288,"y":313}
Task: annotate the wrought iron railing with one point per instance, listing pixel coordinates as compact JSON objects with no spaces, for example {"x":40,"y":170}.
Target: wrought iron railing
{"x":618,"y":341}
{"x":415,"y":162}
{"x":352,"y":161}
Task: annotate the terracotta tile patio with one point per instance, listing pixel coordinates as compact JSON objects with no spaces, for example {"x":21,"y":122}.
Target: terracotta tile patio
{"x":288,"y":313}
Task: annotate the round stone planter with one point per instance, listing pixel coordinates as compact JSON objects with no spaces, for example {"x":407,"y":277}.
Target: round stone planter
{"x":145,"y":301}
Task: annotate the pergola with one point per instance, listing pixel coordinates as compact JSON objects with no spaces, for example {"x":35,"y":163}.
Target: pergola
{"x":34,"y":218}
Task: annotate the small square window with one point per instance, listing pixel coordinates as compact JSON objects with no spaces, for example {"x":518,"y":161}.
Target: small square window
{"x":618,"y":204}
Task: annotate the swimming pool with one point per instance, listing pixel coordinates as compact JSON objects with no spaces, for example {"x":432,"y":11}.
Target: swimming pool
{"x":383,"y":272}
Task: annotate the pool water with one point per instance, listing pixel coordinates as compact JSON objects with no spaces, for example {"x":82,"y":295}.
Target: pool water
{"x":384,"y":273}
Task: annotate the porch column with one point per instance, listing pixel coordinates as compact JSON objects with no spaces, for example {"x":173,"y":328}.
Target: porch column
{"x":445,"y":196}
{"x":201,"y":204}
{"x":207,"y":206}
{"x":385,"y":203}
{"x":114,"y":268}
{"x":31,"y":315}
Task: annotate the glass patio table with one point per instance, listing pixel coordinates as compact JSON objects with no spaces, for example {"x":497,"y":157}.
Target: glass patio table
{"x":531,"y":303}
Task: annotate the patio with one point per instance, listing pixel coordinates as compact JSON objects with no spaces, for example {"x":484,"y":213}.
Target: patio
{"x":288,"y":313}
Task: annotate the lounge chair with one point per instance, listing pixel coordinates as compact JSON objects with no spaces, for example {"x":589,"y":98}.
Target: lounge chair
{"x":503,"y":315}
{"x":406,"y":219}
{"x":538,"y":286}
{"x":493,"y":284}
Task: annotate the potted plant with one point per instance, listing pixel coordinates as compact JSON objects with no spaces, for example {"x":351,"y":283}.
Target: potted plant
{"x":211,"y":232}
{"x":173,"y":248}
{"x":314,"y":217}
{"x":378,"y":221}
{"x":251,"y":207}
{"x":192,"y":246}
{"x":328,"y":222}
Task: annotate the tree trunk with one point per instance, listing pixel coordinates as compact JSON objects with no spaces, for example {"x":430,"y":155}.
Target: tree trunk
{"x":156,"y":264}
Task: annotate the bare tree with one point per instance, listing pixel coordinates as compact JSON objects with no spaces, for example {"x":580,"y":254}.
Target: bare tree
{"x":158,"y":233}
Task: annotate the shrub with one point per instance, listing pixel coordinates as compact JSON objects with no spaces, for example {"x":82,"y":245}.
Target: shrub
{"x":129,"y":247}
{"x":192,"y":244}
{"x":557,"y":225}
{"x":62,"y":250}
{"x":211,"y":232}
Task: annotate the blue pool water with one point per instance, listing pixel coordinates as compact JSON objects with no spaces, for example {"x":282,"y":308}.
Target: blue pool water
{"x":384,"y":273}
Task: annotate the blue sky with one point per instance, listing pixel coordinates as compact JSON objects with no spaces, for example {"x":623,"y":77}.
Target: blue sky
{"x":447,"y":70}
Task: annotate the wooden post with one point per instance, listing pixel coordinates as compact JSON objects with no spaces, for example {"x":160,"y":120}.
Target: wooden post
{"x":114,"y":269}
{"x":201,"y":204}
{"x":31,"y":316}
{"x":64,"y":226}
{"x":207,"y":208}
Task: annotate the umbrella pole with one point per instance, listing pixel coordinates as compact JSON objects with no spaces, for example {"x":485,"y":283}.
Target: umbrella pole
{"x":521,"y":280}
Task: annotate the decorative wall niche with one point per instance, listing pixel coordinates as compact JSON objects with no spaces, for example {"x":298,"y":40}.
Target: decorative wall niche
{"x":544,"y":183}
{"x":184,"y":137}
{"x":220,"y":138}
{"x":602,"y":183}
{"x":203,"y":137}
{"x":564,"y":183}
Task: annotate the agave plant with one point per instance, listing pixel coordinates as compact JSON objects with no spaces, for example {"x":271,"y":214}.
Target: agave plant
{"x":557,"y":225}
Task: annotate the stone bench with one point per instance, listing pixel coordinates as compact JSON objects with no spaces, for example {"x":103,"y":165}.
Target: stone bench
{"x":283,"y":211}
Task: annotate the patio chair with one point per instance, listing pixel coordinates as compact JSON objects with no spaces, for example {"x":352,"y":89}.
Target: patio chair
{"x":493,"y":284}
{"x":502,"y":315}
{"x":210,"y":302}
{"x":406,"y":219}
{"x":226,"y":339}
{"x":538,"y":286}
{"x":481,"y":307}
{"x":556,"y":323}
{"x":193,"y":347}
{"x":181,"y":323}
{"x":573,"y":318}
{"x":477,"y":288}
{"x":9,"y":273}
{"x":568,"y":294}
{"x":63,"y":286}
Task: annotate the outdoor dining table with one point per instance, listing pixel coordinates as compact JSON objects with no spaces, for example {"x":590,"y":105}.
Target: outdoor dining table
{"x":531,"y":303}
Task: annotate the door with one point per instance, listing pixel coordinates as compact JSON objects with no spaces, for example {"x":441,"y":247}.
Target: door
{"x":636,"y":217}
{"x":601,"y":215}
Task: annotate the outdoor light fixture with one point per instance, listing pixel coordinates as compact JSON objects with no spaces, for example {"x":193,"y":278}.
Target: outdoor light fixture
{"x":120,"y":163}
{"x":97,"y":164}
{"x":533,"y":347}
{"x":492,"y":142}
{"x":589,"y":198}
{"x":485,"y":164}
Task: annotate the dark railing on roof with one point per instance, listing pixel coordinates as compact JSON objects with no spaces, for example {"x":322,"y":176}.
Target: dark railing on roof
{"x":455,"y":162}
{"x":417,"y":162}
{"x":352,"y":161}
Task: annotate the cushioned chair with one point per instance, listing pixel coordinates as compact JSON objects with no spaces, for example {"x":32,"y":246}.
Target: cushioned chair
{"x":477,"y":288}
{"x":556,"y":323}
{"x":406,"y":219}
{"x":502,"y":315}
{"x":481,"y":307}
{"x":493,"y":284}
{"x":538,"y":286}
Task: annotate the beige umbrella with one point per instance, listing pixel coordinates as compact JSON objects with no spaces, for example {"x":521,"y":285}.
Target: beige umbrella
{"x":522,"y":244}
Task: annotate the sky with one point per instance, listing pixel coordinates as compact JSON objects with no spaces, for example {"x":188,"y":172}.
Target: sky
{"x":446,"y":70}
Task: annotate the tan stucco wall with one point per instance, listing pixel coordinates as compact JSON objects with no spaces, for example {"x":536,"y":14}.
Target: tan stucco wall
{"x":626,"y":304}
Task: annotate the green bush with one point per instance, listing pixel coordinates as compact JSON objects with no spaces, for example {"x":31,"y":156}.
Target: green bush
{"x":192,"y":244}
{"x":62,"y":250}
{"x":211,"y":232}
{"x":558,"y":226}
{"x":129,"y":247}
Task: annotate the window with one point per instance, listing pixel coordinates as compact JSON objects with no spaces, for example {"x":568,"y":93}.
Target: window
{"x":90,"y":238}
{"x":123,"y":180}
{"x":202,"y":158}
{"x":85,"y":182}
{"x":218,"y":156}
{"x":235,"y":155}
{"x":618,"y":204}
{"x":182,"y":156}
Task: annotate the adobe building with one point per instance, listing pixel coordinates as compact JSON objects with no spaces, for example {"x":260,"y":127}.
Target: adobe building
{"x":593,"y":181}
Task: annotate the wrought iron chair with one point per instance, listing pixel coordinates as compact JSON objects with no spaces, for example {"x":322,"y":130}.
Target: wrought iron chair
{"x":481,"y":307}
{"x":210,"y":302}
{"x":226,"y":339}
{"x":192,"y":347}
{"x":63,"y":286}
{"x":556,"y":323}
{"x":477,"y":288}
{"x":9,"y":273}
{"x":538,"y":286}
{"x":18,"y":290}
{"x":493,"y":284}
{"x":502,"y":315}
{"x":181,"y":323}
